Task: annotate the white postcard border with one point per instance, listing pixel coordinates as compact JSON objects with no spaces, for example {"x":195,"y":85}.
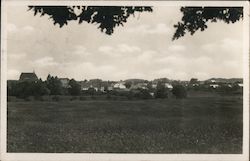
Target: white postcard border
{"x":124,"y":157}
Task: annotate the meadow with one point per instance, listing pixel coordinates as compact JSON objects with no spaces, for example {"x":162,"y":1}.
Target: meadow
{"x":198,"y":124}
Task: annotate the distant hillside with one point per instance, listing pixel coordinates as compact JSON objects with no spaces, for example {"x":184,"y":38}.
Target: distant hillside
{"x":135,"y":81}
{"x":165,"y":80}
{"x":230,"y":80}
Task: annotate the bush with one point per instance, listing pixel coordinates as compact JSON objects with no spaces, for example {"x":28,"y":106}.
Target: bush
{"x":179,"y":91}
{"x":161,"y":91}
{"x":144,"y":94}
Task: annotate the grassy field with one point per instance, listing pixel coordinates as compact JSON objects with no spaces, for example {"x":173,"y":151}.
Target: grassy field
{"x":192,"y":125}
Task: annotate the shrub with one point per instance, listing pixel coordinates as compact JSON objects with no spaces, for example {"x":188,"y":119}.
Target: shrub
{"x":144,"y":94}
{"x":161,"y":91}
{"x":179,"y":91}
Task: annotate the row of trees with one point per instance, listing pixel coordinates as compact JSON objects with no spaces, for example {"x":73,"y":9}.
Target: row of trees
{"x":53,"y":86}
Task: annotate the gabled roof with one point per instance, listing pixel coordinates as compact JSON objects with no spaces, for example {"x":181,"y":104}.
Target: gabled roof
{"x":64,"y":79}
{"x":28,"y":76}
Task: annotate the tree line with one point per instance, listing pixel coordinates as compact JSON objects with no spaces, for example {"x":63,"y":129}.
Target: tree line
{"x":52,"y":86}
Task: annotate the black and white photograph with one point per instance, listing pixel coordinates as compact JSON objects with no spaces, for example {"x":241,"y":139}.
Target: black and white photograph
{"x":126,"y":78}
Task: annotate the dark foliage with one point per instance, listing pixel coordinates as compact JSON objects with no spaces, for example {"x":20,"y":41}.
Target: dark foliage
{"x":128,"y":84}
{"x":144,"y":94}
{"x":179,"y":91}
{"x":224,"y":89}
{"x":75,"y":88}
{"x":25,"y":89}
{"x":196,"y":18}
{"x":161,"y":91}
{"x":54,"y":85}
{"x":91,"y":91}
{"x":107,"y":17}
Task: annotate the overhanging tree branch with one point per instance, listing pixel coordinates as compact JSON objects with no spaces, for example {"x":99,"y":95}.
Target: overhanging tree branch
{"x":196,"y":18}
{"x":107,"y":17}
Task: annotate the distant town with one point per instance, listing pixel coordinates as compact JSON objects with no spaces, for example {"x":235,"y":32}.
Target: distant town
{"x":30,"y":85}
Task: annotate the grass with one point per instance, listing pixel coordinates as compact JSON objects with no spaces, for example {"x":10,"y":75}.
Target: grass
{"x":192,"y":125}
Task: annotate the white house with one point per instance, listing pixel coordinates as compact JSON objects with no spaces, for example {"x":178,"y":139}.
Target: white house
{"x":65,"y":82}
{"x":139,"y":86}
{"x":85,"y":88}
{"x":102,"y":89}
{"x":213,"y":80}
{"x":240,"y":84}
{"x":168,"y":85}
{"x":119,"y":85}
{"x":214,"y":85}
{"x":154,"y":85}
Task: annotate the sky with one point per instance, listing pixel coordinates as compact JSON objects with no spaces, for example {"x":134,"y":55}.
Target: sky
{"x":143,"y":48}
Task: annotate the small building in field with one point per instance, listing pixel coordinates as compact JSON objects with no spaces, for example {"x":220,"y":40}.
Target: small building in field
{"x":214,"y":85}
{"x":168,"y":85}
{"x":84,"y":85}
{"x":102,"y":89}
{"x":154,"y":85}
{"x":65,"y":82}
{"x":139,"y":86}
{"x":28,"y":77}
{"x":240,"y":84}
{"x":119,"y":85}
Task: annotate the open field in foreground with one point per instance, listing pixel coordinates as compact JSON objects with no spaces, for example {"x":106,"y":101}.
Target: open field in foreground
{"x":192,"y":125}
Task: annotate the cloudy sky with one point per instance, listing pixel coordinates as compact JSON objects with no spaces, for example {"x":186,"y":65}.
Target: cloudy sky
{"x":141,"y":49}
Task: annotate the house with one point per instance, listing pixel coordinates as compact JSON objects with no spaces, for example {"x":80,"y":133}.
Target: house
{"x":102,"y":89}
{"x":110,"y":88}
{"x":214,"y":85}
{"x":119,"y":85}
{"x":168,"y":85}
{"x":139,"y":86}
{"x":65,"y":82}
{"x":154,"y":85}
{"x":28,"y":77}
{"x":213,"y":80}
{"x":84,"y":85}
{"x":240,"y":84}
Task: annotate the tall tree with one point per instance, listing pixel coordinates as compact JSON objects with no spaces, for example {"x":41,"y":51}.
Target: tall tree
{"x":54,"y":85}
{"x":75,"y":88}
{"x":161,"y":90}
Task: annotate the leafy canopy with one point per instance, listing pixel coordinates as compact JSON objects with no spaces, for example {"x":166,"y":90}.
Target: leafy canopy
{"x":109,"y":17}
{"x":196,"y":18}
